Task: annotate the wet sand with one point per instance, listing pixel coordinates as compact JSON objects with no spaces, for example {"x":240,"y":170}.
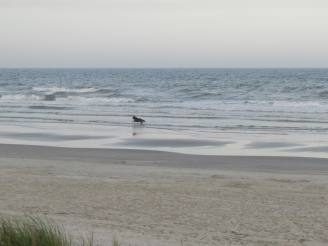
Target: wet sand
{"x":160,"y":198}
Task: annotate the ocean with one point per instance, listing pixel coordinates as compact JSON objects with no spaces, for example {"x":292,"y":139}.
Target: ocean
{"x":202,"y":111}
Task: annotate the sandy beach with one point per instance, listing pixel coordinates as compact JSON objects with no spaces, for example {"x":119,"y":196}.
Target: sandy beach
{"x":160,"y":198}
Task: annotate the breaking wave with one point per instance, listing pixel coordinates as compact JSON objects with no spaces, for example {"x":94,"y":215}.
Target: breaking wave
{"x":55,"y":89}
{"x":244,"y":100}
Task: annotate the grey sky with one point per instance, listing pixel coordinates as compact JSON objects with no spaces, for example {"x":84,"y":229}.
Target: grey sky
{"x":163,"y":33}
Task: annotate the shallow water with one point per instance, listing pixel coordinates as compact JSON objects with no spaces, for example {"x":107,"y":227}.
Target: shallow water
{"x":254,"y":111}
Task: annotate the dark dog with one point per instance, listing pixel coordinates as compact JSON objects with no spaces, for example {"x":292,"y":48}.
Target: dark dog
{"x":139,"y":120}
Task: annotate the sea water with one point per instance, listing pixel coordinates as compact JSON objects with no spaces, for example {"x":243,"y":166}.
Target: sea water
{"x":211,"y":111}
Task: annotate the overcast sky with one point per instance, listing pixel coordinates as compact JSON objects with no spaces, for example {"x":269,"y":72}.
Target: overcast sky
{"x":163,"y":33}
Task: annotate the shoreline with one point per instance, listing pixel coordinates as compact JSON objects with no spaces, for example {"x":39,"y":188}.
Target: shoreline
{"x":156,"y":158}
{"x":148,"y":138}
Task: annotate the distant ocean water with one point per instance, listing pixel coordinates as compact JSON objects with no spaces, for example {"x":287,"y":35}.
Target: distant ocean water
{"x":202,"y":101}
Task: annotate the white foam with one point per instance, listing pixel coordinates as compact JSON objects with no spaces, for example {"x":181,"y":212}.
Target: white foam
{"x":97,"y":100}
{"x":21,"y":97}
{"x":297,"y":104}
{"x":55,"y":89}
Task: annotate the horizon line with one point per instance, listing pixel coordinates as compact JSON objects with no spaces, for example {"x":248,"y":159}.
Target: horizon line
{"x":83,"y":67}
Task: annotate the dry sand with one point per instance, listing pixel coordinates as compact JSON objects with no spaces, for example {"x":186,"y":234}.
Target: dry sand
{"x":158,"y":198}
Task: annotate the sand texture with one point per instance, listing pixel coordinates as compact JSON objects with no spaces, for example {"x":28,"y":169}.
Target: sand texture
{"x":157,"y":198}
